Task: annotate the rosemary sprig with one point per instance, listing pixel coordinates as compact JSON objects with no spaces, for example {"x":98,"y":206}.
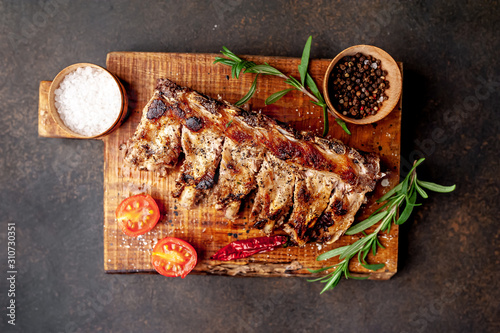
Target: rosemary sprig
{"x":402,"y":195}
{"x":306,"y":84}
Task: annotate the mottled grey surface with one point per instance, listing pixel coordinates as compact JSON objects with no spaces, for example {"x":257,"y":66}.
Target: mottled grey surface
{"x":52,"y":188}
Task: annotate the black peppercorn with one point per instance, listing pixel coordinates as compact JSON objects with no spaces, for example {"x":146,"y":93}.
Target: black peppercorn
{"x":359,"y":85}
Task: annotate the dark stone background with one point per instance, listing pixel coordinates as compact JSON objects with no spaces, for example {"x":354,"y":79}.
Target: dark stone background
{"x":52,"y":188}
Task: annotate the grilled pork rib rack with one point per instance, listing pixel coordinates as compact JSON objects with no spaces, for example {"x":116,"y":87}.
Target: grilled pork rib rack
{"x":308,"y":186}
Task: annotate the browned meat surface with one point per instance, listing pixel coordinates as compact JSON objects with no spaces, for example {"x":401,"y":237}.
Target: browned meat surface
{"x":310,"y":199}
{"x":202,"y":152}
{"x":309,"y":186}
{"x":339,"y":215}
{"x":274,"y":198}
{"x":237,"y":175}
{"x":156,"y":144}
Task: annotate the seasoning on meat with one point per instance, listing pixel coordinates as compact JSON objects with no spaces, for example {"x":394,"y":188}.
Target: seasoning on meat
{"x":308,"y":186}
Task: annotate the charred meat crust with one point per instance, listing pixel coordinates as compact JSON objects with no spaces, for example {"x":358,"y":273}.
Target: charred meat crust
{"x":168,"y":88}
{"x":194,"y":124}
{"x":156,"y":109}
{"x":300,"y":148}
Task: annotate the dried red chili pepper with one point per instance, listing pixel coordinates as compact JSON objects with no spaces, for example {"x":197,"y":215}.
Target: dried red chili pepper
{"x":247,"y":247}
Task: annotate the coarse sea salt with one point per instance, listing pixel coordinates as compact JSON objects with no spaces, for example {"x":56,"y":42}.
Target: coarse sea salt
{"x":88,"y":101}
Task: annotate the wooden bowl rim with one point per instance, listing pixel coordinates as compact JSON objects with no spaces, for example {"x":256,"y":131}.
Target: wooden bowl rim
{"x":394,"y":91}
{"x":55,"y":114}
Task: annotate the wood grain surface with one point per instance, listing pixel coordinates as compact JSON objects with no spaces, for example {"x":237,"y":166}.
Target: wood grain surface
{"x":204,"y":227}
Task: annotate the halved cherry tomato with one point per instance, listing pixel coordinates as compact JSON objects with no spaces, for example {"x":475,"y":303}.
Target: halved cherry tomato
{"x":173,"y":257}
{"x":137,"y":214}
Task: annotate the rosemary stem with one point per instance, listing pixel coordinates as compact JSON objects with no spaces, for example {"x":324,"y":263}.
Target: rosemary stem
{"x":302,"y":88}
{"x":405,"y":191}
{"x":311,"y":96}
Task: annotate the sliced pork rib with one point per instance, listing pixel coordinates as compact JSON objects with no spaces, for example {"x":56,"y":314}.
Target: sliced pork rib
{"x":310,"y":199}
{"x":156,"y":144}
{"x":309,"y":186}
{"x":237,"y":175}
{"x":202,"y":150}
{"x":274,"y":199}
{"x":338,"y":215}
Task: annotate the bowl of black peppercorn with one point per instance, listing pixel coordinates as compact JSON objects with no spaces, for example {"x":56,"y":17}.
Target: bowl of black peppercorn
{"x":362,"y":84}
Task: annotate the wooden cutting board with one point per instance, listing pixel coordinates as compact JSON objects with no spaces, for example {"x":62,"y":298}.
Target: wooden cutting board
{"x":204,"y":227}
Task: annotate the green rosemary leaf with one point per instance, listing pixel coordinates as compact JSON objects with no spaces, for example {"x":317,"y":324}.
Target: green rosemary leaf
{"x":408,"y":209}
{"x":249,"y":94}
{"x":224,"y":61}
{"x":333,"y":282}
{"x":264,"y":69}
{"x":321,"y":278}
{"x":343,"y":125}
{"x":387,"y":203}
{"x":365,"y":253}
{"x":249,"y":64}
{"x":388,"y":230}
{"x":359,"y":277}
{"x":332,"y":253}
{"x":386,"y":222}
{"x":435,"y":187}
{"x":237,"y":70}
{"x":380,"y":244}
{"x":356,"y":246}
{"x":404,"y":188}
{"x":420,"y":190}
{"x":277,"y":95}
{"x":334,"y":279}
{"x":319,"y":103}
{"x":304,"y":62}
{"x":314,"y":271}
{"x":366,"y":223}
{"x":294,"y":83}
{"x":415,"y":165}
{"x":326,"y":122}
{"x":359,"y":256}
{"x":368,"y":244}
{"x":395,"y":189}
{"x":244,"y":66}
{"x":239,"y":67}
{"x":225,"y":51}
{"x":347,"y":274}
{"x":229,"y":123}
{"x":373,"y":267}
{"x":313,"y":87}
{"x":411,"y":197}
{"x":233,"y":72}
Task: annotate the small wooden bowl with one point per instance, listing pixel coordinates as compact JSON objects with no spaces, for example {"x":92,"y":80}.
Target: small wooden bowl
{"x":393,"y":76}
{"x":55,"y":114}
